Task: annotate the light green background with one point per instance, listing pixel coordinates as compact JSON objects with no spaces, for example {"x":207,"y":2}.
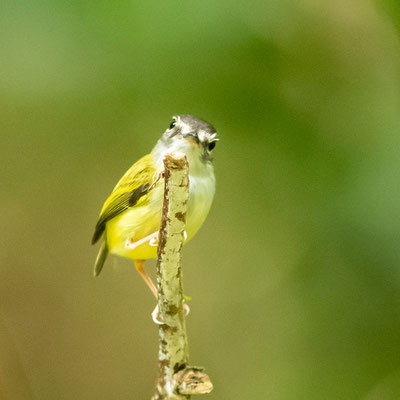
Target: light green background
{"x":295,"y":277}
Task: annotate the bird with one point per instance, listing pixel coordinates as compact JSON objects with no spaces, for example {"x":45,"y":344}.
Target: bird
{"x":129,"y":220}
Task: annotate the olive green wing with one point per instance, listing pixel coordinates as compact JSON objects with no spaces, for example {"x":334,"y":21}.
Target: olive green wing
{"x":131,"y":190}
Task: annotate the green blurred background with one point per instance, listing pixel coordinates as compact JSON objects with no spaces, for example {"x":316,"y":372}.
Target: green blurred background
{"x":294,"y":278}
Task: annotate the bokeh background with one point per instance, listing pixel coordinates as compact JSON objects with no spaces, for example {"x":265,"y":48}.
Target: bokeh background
{"x":294,"y":278}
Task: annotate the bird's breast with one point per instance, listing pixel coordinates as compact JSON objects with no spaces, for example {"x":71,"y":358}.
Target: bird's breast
{"x":143,"y":220}
{"x":201,"y":194}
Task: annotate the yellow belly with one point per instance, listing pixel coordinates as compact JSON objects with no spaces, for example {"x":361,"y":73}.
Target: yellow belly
{"x":138,"y":222}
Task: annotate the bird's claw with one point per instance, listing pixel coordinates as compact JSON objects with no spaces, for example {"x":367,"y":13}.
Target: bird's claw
{"x":186,"y":308}
{"x":154,"y":316}
{"x":151,"y":239}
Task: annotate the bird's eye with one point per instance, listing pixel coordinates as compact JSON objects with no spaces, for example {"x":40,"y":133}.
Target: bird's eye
{"x":172,"y":125}
{"x":211,"y":146}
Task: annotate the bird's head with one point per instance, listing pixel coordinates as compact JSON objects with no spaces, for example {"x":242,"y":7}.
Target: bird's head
{"x":193,"y":137}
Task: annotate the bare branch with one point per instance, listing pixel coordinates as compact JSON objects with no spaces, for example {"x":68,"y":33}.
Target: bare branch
{"x":176,"y":379}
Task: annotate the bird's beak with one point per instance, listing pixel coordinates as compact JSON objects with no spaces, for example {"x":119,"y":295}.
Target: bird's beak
{"x":192,"y":138}
{"x":192,"y":141}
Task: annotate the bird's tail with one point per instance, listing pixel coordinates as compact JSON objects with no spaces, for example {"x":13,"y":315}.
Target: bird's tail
{"x":101,"y":258}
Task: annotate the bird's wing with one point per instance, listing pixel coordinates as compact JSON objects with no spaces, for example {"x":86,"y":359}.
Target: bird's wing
{"x":131,"y":190}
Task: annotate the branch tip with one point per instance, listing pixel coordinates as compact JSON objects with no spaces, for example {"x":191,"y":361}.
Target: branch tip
{"x":192,"y":380}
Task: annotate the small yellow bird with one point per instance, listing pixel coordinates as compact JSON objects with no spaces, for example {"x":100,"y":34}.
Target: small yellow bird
{"x":130,"y":218}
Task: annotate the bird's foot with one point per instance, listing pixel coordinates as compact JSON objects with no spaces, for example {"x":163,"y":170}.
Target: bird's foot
{"x":154,"y":240}
{"x":157,"y":176}
{"x":161,"y":175}
{"x":131,"y":245}
{"x":155,"y":313}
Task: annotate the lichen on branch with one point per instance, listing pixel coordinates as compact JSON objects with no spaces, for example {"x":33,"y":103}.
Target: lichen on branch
{"x":176,"y":379}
